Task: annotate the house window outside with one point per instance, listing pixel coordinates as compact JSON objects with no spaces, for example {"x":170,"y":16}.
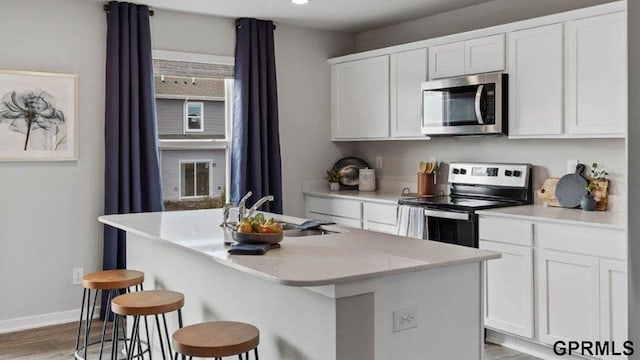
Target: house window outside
{"x":194,"y":117}
{"x":195,"y":179}
{"x":194,"y":102}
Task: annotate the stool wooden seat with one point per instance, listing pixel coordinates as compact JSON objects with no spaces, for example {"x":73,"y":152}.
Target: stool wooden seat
{"x":216,"y":339}
{"x":144,"y":303}
{"x":112,"y":279}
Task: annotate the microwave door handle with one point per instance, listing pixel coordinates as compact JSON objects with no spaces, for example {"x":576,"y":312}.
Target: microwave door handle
{"x":478,"y":108}
{"x":446,"y":214}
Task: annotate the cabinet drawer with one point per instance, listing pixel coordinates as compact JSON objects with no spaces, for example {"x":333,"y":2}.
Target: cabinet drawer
{"x":380,"y":213}
{"x":509,"y":231}
{"x":582,"y":240}
{"x":354,"y":223}
{"x":337,"y":207}
{"x":383,"y":228}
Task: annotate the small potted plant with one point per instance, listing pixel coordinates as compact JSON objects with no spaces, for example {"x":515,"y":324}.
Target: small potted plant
{"x":588,"y":203}
{"x":333,"y":177}
{"x":599,"y":185}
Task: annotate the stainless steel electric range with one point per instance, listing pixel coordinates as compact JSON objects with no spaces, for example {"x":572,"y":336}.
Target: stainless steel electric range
{"x":473,"y":186}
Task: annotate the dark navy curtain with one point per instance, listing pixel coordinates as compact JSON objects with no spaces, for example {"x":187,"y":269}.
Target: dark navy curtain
{"x":132,"y":172}
{"x":255,"y":151}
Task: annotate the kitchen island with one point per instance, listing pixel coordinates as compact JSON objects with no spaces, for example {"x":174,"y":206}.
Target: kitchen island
{"x":318,"y":297}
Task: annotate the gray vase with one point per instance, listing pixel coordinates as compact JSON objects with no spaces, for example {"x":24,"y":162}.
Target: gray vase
{"x":588,"y":203}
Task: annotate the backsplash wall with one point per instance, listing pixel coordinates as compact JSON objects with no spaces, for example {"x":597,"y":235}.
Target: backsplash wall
{"x":549,"y":157}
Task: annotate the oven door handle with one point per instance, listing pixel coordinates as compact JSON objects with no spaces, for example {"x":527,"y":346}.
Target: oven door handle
{"x":446,"y":214}
{"x":478,"y":107}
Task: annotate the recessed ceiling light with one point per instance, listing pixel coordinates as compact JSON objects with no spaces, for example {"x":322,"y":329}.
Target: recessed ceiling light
{"x":300,"y":2}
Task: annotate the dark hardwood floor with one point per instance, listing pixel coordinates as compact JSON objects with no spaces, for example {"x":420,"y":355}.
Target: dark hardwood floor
{"x":57,"y":342}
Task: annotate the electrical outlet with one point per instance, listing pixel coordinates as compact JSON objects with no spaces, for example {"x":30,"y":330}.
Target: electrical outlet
{"x":405,"y":319}
{"x":378,"y":162}
{"x":571,"y":165}
{"x":78,"y":273}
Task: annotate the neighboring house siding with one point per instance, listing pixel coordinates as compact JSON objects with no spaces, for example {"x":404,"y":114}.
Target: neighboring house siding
{"x":170,"y":160}
{"x":170,"y":114}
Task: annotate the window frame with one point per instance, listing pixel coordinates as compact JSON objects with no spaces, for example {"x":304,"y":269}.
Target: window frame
{"x":195,"y":178}
{"x":186,"y":128}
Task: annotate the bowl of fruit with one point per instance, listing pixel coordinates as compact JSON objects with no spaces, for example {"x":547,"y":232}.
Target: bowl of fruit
{"x":258,"y":230}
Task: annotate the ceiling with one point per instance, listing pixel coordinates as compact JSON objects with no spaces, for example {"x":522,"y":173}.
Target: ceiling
{"x":340,"y":15}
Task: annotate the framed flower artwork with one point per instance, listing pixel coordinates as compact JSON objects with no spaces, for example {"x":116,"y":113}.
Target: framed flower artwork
{"x":38,"y":116}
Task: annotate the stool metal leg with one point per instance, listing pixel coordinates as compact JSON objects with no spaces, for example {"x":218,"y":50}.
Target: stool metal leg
{"x":84,"y":296}
{"x":166,"y":331}
{"x":106,"y":321}
{"x":255,"y":352}
{"x":134,"y":336}
{"x":114,"y":338}
{"x":164,"y":356}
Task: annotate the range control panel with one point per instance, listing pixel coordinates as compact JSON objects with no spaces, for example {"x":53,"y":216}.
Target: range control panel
{"x":513,"y":175}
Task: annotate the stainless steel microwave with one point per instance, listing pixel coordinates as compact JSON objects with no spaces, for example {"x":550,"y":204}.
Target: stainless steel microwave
{"x":468,"y":105}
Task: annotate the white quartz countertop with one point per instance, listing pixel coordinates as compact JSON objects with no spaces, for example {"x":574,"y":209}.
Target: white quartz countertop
{"x":372,"y":196}
{"x":603,"y":219}
{"x":319,"y":260}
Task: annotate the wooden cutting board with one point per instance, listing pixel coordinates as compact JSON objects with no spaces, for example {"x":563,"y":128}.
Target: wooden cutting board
{"x":547,"y":192}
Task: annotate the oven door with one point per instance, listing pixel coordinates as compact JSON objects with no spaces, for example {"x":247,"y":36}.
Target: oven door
{"x":452,"y":227}
{"x":469,"y":105}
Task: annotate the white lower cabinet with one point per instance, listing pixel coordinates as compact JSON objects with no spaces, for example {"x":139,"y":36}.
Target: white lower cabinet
{"x":568,"y":296}
{"x":613,"y":302}
{"x":359,"y":214}
{"x":509,"y":289}
{"x":568,"y":282}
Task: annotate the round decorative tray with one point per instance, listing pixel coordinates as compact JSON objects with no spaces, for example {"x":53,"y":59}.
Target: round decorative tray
{"x":255,"y":238}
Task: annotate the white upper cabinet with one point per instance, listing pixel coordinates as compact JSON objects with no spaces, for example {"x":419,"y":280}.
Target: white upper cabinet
{"x":536,"y":81}
{"x":360,"y":99}
{"x":484,"y":54}
{"x":473,"y":56}
{"x":596,"y":75}
{"x":446,"y":60}
{"x":408,"y":71}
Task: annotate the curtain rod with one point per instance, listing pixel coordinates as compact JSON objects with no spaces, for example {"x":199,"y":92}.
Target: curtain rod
{"x":106,"y":8}
{"x":238,"y":24}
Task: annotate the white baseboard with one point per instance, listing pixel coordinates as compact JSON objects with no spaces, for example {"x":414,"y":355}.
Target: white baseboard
{"x":526,"y":346}
{"x":42,"y":320}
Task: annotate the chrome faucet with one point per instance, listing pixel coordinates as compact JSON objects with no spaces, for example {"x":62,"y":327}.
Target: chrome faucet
{"x":226,"y":209}
{"x":242,"y":208}
{"x":258,"y":204}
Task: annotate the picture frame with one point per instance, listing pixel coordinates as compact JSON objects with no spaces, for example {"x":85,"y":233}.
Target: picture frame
{"x":38,"y":116}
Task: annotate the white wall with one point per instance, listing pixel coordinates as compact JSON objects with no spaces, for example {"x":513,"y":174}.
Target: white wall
{"x":401,"y":158}
{"x":48,"y":211}
{"x":470,"y":18}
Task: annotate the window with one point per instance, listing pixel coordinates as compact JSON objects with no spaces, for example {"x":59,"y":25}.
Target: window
{"x":195,"y":179}
{"x":194,"y":116}
{"x":194,"y":102}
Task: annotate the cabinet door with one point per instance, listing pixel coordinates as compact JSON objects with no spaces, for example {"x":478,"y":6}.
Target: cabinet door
{"x":360,"y":99}
{"x":408,"y":71}
{"x":484,"y":54}
{"x":567,"y":297}
{"x":613,"y":302}
{"x":536,"y":81}
{"x":446,"y":60}
{"x":597,"y":75}
{"x":509,"y":289}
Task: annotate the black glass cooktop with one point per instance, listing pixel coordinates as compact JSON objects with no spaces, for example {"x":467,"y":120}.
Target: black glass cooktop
{"x":458,"y":203}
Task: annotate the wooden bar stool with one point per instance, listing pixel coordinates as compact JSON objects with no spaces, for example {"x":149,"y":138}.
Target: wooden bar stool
{"x":113,"y":281}
{"x":217,"y":339}
{"x":142,"y":304}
